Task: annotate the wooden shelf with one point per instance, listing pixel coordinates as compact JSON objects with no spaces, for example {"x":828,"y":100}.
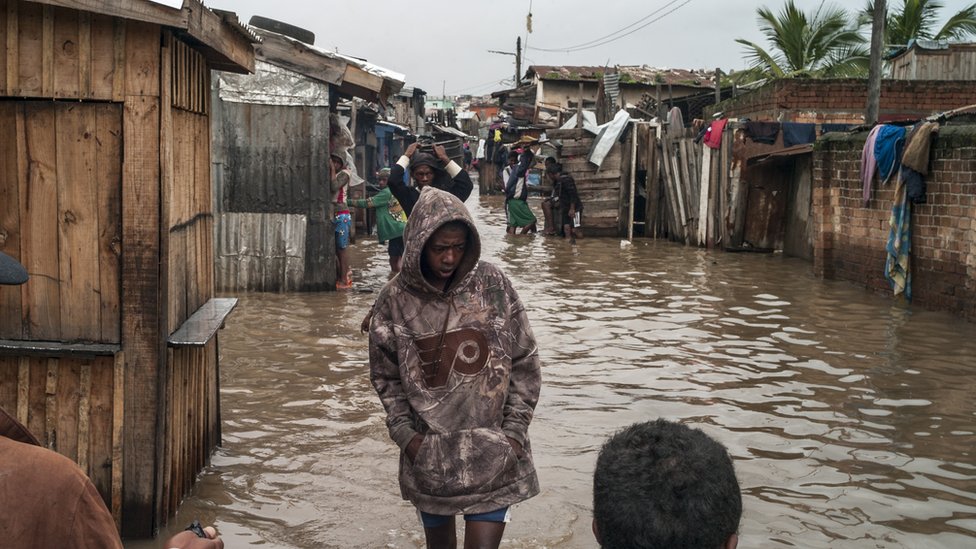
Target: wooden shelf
{"x":203,"y":324}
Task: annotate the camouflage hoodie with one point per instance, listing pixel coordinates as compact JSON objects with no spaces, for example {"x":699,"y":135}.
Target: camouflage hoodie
{"x":460,"y":367}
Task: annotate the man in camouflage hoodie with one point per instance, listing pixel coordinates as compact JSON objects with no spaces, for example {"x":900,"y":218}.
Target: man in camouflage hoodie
{"x":455,"y":364}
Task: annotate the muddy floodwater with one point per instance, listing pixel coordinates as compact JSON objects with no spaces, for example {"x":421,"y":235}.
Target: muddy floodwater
{"x":851,"y":419}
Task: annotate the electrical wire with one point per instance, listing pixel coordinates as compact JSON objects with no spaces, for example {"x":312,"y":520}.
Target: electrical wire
{"x":483,"y":85}
{"x":601,"y":41}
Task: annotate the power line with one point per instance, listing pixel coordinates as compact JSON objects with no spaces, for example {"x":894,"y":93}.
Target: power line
{"x":597,"y":42}
{"x":479,"y":86}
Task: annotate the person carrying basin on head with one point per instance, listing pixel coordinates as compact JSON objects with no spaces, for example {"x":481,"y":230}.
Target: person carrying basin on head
{"x":427,"y":169}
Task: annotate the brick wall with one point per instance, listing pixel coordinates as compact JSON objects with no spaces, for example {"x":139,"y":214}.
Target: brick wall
{"x":849,"y":238}
{"x":843,"y":101}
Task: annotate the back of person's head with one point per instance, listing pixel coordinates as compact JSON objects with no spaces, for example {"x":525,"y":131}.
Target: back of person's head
{"x":554,"y":169}
{"x":660,"y":484}
{"x":513,"y":156}
{"x":550,"y":160}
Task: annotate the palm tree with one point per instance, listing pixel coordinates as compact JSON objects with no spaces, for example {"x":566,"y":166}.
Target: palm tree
{"x":917,"y":18}
{"x":822,"y":44}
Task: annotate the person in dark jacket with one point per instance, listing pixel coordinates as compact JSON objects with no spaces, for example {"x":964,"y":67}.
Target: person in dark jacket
{"x":456,"y":366}
{"x":569,"y":203}
{"x":436,"y":170}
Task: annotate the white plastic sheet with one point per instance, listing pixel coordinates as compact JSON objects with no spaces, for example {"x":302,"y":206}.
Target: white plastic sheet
{"x":609,"y":133}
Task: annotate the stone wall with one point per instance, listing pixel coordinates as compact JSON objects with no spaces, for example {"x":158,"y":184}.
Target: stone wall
{"x":849,"y":238}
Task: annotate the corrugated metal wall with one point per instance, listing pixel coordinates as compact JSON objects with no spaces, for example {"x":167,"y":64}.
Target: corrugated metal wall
{"x":271,"y":161}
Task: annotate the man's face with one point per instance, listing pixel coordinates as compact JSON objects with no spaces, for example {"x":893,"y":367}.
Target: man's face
{"x":423,"y":175}
{"x":443,"y":253}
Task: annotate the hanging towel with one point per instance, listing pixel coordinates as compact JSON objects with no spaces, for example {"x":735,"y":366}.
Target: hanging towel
{"x":868,"y":164}
{"x":676,"y":122}
{"x":827,"y":128}
{"x":887,"y":150}
{"x":713,"y":137}
{"x":762,"y":132}
{"x":917,"y":147}
{"x":898,"y":263}
{"x":796,"y":133}
{"x":914,"y":185}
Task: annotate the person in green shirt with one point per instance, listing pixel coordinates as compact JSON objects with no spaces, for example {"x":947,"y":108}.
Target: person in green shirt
{"x":390,"y":219}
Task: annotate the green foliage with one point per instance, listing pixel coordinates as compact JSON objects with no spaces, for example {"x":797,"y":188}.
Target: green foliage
{"x":825,"y":43}
{"x":917,"y":19}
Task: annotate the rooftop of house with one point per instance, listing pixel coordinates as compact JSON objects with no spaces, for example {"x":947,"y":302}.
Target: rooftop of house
{"x":632,"y":74}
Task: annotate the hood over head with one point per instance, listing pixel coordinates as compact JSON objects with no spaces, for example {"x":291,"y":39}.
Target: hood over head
{"x":434,"y":208}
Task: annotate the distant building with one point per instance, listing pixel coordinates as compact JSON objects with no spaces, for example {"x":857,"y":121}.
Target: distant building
{"x":934,"y":60}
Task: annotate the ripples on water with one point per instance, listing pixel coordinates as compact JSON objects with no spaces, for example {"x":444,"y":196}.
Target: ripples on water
{"x":850,"y":419}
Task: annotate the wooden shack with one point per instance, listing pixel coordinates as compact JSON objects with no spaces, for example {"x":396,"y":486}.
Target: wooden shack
{"x":271,"y":148}
{"x":108,"y":353}
{"x":602,"y":189}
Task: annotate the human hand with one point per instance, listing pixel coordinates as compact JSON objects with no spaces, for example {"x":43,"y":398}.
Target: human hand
{"x":414,"y":446}
{"x":516,"y":447}
{"x":411,"y":148}
{"x":188,"y":540}
{"x":441,"y":153}
{"x":364,"y":325}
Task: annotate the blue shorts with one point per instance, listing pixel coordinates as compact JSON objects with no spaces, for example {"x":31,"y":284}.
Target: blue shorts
{"x":434,"y":521}
{"x":342,"y":223}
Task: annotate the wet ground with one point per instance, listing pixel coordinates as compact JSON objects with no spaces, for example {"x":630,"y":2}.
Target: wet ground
{"x":851,"y":419}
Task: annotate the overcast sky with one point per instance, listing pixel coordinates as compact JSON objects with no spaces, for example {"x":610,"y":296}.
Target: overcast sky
{"x":442,"y":45}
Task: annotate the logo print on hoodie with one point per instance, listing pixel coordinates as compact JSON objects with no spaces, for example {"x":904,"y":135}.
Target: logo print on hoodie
{"x":464,"y":350}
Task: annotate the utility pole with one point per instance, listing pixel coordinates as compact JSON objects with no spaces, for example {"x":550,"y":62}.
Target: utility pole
{"x":874,"y":73}
{"x":518,"y":59}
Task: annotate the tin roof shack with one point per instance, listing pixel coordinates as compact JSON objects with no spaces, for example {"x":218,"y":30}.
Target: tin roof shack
{"x":271,"y":149}
{"x":408,"y":109}
{"x":934,"y":60}
{"x":560,"y":89}
{"x":108,"y":353}
{"x":602,"y":184}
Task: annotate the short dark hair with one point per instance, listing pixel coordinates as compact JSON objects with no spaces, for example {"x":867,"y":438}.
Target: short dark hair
{"x":555,"y":167}
{"x":662,"y":484}
{"x":550,"y":160}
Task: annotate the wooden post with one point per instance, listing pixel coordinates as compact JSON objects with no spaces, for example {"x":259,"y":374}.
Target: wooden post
{"x":653,"y":185}
{"x":633,"y":180}
{"x":874,"y":71}
{"x":579,"y":108}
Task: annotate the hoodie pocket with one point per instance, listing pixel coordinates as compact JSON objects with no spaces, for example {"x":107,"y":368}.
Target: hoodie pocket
{"x":465,"y":462}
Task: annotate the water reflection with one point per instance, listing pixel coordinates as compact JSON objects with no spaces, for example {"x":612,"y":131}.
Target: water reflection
{"x":851,"y":420}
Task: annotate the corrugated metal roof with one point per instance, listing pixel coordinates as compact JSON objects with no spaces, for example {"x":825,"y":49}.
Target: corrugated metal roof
{"x":629,"y":74}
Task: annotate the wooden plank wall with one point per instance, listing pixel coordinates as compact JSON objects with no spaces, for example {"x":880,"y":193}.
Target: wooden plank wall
{"x":60,"y":215}
{"x":54,"y":52}
{"x":675,"y":190}
{"x":599,"y":190}
{"x":142,"y":331}
{"x":189,"y":417}
{"x":192,"y":421}
{"x":73,"y":406}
